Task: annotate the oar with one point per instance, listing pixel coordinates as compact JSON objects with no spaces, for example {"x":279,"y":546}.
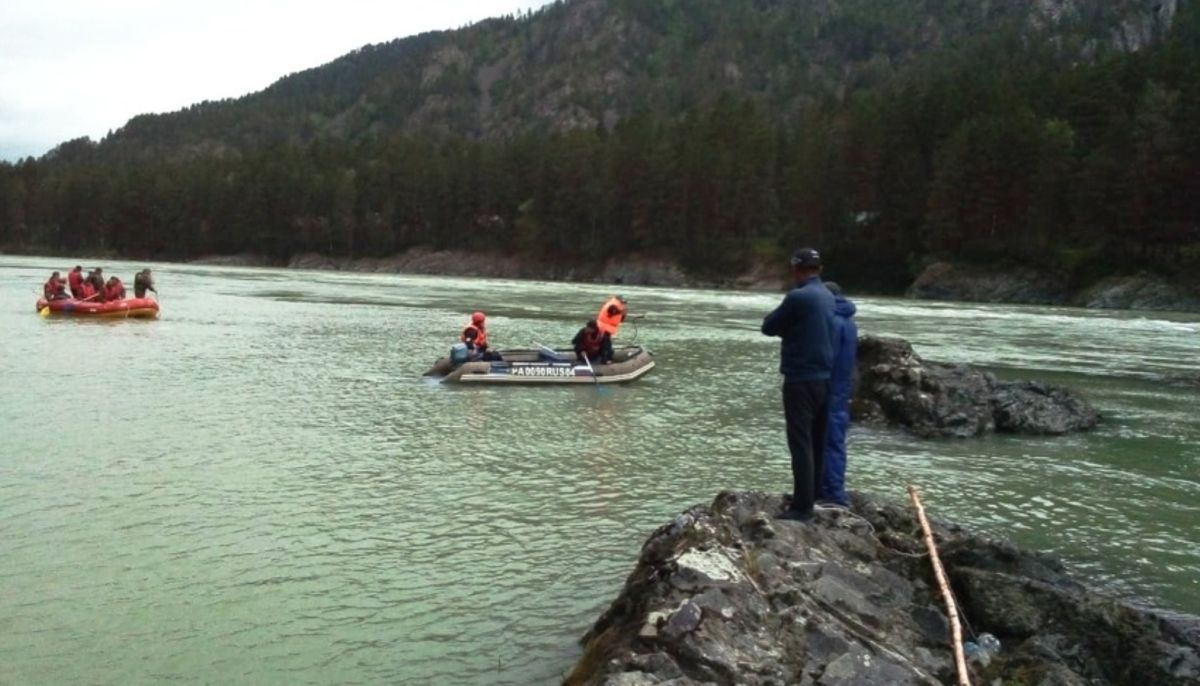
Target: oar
{"x":593,"y":371}
{"x":548,"y":349}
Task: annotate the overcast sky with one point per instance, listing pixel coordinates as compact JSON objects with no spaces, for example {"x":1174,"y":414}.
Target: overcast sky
{"x":71,"y":68}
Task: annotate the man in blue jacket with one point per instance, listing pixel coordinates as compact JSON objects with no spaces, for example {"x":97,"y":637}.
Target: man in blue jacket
{"x":805,"y":323}
{"x":832,"y":489}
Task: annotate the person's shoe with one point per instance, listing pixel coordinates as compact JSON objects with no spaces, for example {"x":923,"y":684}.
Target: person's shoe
{"x":832,"y":505}
{"x":796,"y":516}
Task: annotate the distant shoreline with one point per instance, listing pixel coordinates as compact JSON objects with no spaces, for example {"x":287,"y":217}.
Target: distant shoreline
{"x":942,"y":281}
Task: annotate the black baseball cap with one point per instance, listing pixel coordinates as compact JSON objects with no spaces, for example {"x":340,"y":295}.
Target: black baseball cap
{"x":806,"y":257}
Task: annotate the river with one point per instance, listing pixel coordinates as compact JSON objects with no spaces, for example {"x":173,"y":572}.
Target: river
{"x":260,"y":487}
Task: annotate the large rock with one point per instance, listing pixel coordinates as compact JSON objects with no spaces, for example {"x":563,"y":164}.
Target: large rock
{"x":726,"y":594}
{"x":958,"y":282}
{"x":974,"y":283}
{"x":643,"y":271}
{"x":1141,"y":292}
{"x":932,"y":399}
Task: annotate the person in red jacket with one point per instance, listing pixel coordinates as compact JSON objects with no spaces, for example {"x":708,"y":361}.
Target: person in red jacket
{"x":54,"y":288}
{"x":75,"y":279}
{"x":114,"y":289}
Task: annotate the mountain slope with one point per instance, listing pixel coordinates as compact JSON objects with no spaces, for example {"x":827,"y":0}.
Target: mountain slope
{"x":583,"y":63}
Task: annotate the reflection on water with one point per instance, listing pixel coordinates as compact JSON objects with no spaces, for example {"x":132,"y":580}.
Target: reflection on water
{"x":261,"y":487}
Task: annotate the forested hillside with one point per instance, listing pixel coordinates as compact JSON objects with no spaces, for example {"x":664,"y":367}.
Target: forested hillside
{"x":1056,"y":133}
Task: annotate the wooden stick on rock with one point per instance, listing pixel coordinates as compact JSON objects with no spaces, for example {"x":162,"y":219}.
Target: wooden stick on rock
{"x":951,"y":607}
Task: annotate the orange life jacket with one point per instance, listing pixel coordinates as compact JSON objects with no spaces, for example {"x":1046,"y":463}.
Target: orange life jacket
{"x":480,"y":338}
{"x":611,"y":316}
{"x":53,"y":289}
{"x":115,"y":292}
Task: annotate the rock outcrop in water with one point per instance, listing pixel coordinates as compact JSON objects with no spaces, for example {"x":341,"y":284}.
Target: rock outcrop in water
{"x":895,"y":386}
{"x":726,"y":594}
{"x":1140,"y":292}
{"x":948,"y":281}
{"x":976,"y":283}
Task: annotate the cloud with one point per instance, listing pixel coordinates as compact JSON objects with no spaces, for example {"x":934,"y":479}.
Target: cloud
{"x":70,"y":68}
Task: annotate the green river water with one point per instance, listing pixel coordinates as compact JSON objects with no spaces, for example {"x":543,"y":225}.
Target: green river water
{"x":260,"y":487}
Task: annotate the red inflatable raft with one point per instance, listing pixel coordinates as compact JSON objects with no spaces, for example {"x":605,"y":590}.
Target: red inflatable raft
{"x":137,"y":308}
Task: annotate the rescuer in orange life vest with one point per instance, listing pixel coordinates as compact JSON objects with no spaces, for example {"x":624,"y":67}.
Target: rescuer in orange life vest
{"x":75,"y":278}
{"x":612,"y":314}
{"x":474,"y":335}
{"x":114,"y":289}
{"x":54,"y":288}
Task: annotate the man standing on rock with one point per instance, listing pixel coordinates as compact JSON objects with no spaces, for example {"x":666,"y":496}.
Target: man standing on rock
{"x":805,"y":323}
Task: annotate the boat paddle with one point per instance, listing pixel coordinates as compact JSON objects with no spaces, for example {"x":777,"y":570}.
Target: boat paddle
{"x":551,"y":352}
{"x":590,"y":369}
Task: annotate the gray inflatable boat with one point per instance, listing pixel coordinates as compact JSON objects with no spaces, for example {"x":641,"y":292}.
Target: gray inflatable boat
{"x":547,"y":367}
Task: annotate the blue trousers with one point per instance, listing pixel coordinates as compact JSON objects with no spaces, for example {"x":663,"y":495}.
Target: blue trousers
{"x":833,"y":479}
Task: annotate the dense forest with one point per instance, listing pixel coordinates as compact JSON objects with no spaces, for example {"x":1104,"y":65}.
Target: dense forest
{"x":999,"y":143}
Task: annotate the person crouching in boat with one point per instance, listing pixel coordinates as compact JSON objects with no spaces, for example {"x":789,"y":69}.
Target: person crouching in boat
{"x":114,"y":289}
{"x":54,"y":288}
{"x":142,"y":282}
{"x":96,"y":280}
{"x":86,"y":290}
{"x":474,"y":336}
{"x":594,"y":343}
{"x":75,"y":279}
{"x":612,"y":314}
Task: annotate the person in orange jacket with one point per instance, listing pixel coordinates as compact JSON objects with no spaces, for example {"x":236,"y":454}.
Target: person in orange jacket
{"x":474,"y":336}
{"x":612,"y":314}
{"x":75,"y":279}
{"x":55,"y":288}
{"x":114,"y":289}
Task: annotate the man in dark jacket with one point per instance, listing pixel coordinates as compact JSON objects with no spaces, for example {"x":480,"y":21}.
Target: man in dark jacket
{"x":143,"y":281}
{"x":594,"y":343}
{"x":96,"y":279}
{"x":805,"y":322}
{"x":832,"y":490}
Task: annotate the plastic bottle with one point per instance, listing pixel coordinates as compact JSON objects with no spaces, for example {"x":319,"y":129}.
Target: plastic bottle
{"x":982,"y":649}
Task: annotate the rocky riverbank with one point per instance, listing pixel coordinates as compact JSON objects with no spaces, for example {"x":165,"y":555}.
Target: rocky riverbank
{"x":727,"y":594}
{"x":634,"y":270}
{"x":931,"y":399}
{"x":958,"y":282}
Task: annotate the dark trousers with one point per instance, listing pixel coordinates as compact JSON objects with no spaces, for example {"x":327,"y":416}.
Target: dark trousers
{"x":806,"y":412}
